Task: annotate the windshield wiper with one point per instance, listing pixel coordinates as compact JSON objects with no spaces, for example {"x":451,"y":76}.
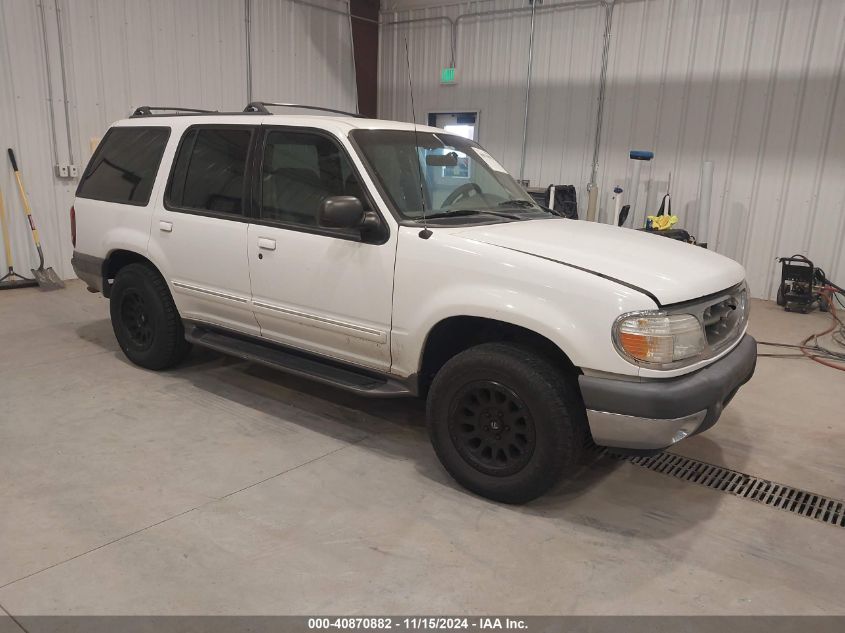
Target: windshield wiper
{"x":449,"y":214}
{"x":518,"y":203}
{"x":466,"y":212}
{"x":526,"y":204}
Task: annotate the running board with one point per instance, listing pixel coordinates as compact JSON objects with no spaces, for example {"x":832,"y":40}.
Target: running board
{"x":297,"y":363}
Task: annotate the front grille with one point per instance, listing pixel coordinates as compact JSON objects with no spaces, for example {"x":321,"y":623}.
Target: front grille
{"x":723,"y":316}
{"x":723,"y":321}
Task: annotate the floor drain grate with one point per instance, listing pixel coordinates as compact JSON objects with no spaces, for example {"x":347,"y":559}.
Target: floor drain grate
{"x":780,"y":496}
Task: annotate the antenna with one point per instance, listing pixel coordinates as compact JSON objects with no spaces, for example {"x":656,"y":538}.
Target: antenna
{"x":425,"y":233}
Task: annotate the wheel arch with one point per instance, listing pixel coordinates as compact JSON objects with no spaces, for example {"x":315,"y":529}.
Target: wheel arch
{"x":455,"y":334}
{"x":117,"y":259}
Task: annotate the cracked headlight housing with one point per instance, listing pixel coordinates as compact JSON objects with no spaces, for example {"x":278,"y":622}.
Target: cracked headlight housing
{"x":658,"y":339}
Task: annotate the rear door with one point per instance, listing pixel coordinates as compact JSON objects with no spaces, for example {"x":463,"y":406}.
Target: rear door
{"x":199,"y":230}
{"x":324,"y":290}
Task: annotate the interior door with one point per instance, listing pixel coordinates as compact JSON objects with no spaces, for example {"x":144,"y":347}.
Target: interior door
{"x":327,"y":291}
{"x":199,"y":235}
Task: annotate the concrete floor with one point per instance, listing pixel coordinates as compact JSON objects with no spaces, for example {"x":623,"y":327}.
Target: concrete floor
{"x":223,"y":487}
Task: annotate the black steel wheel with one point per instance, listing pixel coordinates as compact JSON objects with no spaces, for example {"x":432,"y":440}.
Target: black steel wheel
{"x":492,"y":428}
{"x":136,"y":321}
{"x":144,"y":318}
{"x":505,"y":422}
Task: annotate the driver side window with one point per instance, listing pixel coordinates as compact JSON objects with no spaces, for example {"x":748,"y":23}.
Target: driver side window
{"x":299,"y":171}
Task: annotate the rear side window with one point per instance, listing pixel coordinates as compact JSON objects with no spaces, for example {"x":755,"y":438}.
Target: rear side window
{"x":124,"y":167}
{"x":209,"y":172}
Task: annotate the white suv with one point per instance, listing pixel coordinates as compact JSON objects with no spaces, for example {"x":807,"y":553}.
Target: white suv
{"x":390,"y":261}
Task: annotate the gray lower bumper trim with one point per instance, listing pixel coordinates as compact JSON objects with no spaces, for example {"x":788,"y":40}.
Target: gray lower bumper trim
{"x":658,"y":413}
{"x":89,"y":269}
{"x":628,"y":431}
{"x":673,"y":397}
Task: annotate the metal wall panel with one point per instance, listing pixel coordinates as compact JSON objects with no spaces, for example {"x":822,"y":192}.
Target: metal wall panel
{"x":753,"y":85}
{"x":302,"y":54}
{"x":491,"y":57}
{"x":123,"y":53}
{"x":25,"y":126}
{"x":564,"y":94}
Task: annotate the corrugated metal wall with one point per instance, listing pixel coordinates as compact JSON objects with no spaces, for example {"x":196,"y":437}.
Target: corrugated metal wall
{"x":753,"y":85}
{"x":25,"y":126}
{"x":124,"y":53}
{"x":303,"y":55}
{"x":491,"y":57}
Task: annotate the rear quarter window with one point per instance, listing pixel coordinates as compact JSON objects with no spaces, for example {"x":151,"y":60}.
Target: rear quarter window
{"x":124,"y":167}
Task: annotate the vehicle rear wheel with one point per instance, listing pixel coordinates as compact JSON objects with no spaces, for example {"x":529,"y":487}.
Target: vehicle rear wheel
{"x":145,"y":320}
{"x":505,"y":422}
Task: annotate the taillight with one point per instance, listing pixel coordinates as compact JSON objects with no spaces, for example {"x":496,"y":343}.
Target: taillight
{"x":73,"y":226}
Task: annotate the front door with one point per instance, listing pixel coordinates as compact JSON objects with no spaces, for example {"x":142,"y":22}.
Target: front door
{"x":199,"y":233}
{"x":323,"y":290}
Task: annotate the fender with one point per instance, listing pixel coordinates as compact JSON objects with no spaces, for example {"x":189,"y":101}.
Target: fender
{"x":570,"y":307}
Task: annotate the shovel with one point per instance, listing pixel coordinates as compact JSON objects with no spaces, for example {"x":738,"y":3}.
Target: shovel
{"x":46,"y":277}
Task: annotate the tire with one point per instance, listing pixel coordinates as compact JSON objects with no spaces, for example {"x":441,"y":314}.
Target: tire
{"x":781,"y":301}
{"x":525,"y":396}
{"x":145,"y":320}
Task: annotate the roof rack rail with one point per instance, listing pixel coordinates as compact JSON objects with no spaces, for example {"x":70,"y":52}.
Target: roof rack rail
{"x":261,"y":108}
{"x":148,"y":110}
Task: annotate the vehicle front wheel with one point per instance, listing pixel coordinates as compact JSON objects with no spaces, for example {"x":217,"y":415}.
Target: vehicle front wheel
{"x":505,"y":422}
{"x":145,"y":320}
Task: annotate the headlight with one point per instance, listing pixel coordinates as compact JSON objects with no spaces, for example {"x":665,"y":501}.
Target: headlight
{"x":658,"y":338}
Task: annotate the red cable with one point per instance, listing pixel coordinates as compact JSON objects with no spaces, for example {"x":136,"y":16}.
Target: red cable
{"x":827,"y":292}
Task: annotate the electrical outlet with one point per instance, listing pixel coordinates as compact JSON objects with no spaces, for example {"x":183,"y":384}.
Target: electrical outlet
{"x":63,"y":170}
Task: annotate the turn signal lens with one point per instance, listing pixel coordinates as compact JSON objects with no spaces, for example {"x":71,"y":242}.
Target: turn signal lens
{"x":659,"y":338}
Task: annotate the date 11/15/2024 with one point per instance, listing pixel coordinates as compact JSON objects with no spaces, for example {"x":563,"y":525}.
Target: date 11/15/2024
{"x":418,"y":623}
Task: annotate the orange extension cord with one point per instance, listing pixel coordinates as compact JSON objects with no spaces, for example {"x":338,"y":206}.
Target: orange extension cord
{"x":827,"y":292}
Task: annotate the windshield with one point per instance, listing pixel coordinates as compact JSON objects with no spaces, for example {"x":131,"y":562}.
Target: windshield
{"x":458,"y":177}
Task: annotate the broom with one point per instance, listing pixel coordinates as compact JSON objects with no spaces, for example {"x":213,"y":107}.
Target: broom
{"x":11,"y":279}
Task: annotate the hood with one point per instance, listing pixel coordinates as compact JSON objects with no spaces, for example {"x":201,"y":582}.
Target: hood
{"x":672,"y":271}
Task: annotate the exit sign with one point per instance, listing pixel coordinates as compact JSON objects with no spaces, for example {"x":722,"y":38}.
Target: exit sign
{"x":447,"y":75}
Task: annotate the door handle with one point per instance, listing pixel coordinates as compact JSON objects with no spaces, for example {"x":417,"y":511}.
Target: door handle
{"x":266,"y":243}
{"x":167,"y":227}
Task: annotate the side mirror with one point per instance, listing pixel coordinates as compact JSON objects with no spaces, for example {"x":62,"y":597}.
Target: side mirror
{"x":341,"y":212}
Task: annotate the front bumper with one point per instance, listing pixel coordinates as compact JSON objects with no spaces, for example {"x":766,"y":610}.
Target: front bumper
{"x":655,"y":414}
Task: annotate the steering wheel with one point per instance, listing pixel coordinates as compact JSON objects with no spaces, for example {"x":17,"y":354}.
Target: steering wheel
{"x":461,"y":192}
